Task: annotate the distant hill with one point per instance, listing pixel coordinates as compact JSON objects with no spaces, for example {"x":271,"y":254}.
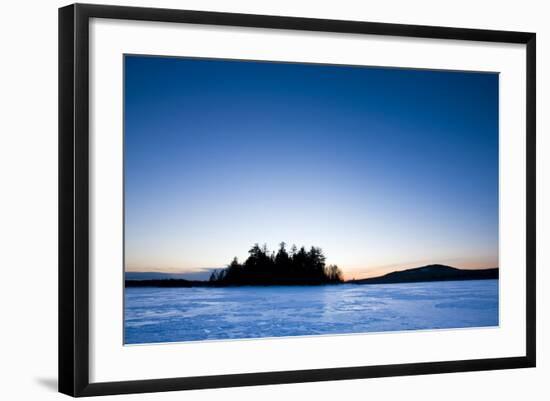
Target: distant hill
{"x":431,"y":273}
{"x":152,"y":276}
{"x":168,"y":282}
{"x":196,"y":275}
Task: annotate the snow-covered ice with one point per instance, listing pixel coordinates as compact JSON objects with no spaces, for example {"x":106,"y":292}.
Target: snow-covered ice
{"x":154,"y":315}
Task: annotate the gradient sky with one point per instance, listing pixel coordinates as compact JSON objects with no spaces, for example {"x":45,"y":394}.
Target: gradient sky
{"x":383,"y":169}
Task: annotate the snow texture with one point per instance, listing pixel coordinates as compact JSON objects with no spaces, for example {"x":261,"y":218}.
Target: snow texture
{"x":156,"y":315}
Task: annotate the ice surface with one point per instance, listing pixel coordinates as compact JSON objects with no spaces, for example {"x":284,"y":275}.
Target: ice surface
{"x":154,"y":315}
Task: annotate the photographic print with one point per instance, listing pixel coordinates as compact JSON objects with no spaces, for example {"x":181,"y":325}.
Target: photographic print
{"x":277,"y":199}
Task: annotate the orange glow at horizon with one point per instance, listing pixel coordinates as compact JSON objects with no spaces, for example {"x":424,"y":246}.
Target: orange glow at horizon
{"x":349,"y":272}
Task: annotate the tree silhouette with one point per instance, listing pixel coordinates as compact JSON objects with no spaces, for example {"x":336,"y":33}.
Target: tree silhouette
{"x":263,"y":267}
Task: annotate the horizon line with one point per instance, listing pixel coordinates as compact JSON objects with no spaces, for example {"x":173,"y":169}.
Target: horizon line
{"x":361,"y":277}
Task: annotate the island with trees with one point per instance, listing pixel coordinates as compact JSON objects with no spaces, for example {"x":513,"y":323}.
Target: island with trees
{"x":262,"y":267}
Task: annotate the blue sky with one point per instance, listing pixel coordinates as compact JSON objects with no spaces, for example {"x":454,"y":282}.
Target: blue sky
{"x":382,"y":168}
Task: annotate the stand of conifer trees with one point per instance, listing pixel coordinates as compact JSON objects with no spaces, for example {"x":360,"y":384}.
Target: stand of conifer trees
{"x":262,"y":267}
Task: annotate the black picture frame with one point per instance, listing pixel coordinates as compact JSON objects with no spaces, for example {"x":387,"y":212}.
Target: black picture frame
{"x":74,"y":199}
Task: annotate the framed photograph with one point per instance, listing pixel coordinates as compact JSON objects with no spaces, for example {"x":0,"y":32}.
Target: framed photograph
{"x":250,"y":199}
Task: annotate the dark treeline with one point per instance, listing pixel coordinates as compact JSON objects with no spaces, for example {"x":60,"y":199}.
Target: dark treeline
{"x":294,"y":267}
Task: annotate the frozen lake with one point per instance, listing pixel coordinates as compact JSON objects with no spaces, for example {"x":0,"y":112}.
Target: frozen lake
{"x":154,"y":315}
